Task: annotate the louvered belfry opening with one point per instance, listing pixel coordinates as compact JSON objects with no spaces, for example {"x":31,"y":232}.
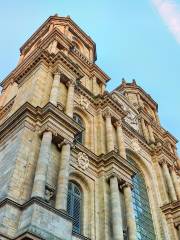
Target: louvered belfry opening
{"x":74,"y":205}
{"x":79,"y":137}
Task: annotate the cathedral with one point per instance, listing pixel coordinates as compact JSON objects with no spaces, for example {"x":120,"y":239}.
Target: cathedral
{"x":78,"y":162}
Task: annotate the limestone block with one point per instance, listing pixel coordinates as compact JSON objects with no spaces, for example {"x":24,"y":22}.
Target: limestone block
{"x":45,"y":223}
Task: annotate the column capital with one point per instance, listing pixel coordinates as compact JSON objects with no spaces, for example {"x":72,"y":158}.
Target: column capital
{"x":172,"y":168}
{"x":71,"y":82}
{"x":126,"y":184}
{"x":57,"y":71}
{"x":162,"y":161}
{"x":47,"y":129}
{"x":65,"y":142}
{"x":107,"y":113}
{"x":114,"y":175}
{"x":118,"y":123}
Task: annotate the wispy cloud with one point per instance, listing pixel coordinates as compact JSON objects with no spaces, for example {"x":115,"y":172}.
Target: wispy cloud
{"x":170,"y":12}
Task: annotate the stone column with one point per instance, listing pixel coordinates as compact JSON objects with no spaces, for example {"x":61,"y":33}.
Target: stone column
{"x":42,"y":165}
{"x":168,"y":180}
{"x":131,"y":224}
{"x":109,"y":133}
{"x":175,"y":181}
{"x":178,"y":229}
{"x":139,"y":100}
{"x":53,"y":46}
{"x":120,"y":139}
{"x":157,"y":118}
{"x":70,"y":99}
{"x":63,"y":177}
{"x":144,"y":129}
{"x":151,"y":134}
{"x":95,"y":86}
{"x":116,"y":209}
{"x":55,"y":88}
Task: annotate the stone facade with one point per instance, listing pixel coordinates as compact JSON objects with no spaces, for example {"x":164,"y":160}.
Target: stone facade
{"x":57,"y":78}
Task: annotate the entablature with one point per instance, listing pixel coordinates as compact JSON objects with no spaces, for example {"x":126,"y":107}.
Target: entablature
{"x":172,"y":212}
{"x":41,"y":56}
{"x":41,"y":119}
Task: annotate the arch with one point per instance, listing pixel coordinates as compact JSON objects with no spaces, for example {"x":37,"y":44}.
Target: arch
{"x":146,"y":169}
{"x":87,"y":121}
{"x":78,"y":178}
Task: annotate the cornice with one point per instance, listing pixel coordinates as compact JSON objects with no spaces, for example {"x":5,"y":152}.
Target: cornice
{"x":39,"y":119}
{"x":106,"y":100}
{"x":38,"y":201}
{"x":45,"y":57}
{"x":134,"y":86}
{"x":51,"y":20}
{"x":131,"y":132}
{"x":116,"y":94}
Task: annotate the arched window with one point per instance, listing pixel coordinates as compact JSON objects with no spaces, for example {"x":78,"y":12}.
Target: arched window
{"x":74,"y":205}
{"x":79,"y":137}
{"x":144,"y":222}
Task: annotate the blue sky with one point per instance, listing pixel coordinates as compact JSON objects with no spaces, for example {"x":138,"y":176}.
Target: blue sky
{"x":134,"y":40}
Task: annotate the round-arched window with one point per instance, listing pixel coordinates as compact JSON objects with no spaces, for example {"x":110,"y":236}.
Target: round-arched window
{"x":74,"y":205}
{"x":78,"y":119}
{"x":143,"y":217}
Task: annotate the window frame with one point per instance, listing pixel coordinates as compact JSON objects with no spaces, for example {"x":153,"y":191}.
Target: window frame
{"x":75,"y":196}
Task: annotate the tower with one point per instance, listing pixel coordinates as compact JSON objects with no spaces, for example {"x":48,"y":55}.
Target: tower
{"x":76,"y":161}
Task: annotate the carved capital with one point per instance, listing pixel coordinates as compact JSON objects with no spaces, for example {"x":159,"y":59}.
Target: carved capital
{"x":118,"y":123}
{"x":114,"y":175}
{"x":172,"y":168}
{"x":57,"y":71}
{"x":126,"y":184}
{"x":162,"y":161}
{"x":65,"y":142}
{"x":47,"y":129}
{"x":71,"y":82}
{"x":107,"y":113}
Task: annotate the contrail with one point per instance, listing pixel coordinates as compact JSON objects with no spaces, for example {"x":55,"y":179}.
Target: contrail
{"x":169,"y":10}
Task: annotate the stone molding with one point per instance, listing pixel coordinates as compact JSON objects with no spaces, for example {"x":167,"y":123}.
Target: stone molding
{"x":40,"y":118}
{"x":172,"y":212}
{"x":35,"y":200}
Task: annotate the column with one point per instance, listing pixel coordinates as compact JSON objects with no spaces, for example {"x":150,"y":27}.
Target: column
{"x":116,"y":209}
{"x":94,"y":81}
{"x":42,"y":165}
{"x":63,"y":177}
{"x":144,"y":129}
{"x":178,"y":228}
{"x":151,"y":134}
{"x":131,"y":224}
{"x":55,"y":88}
{"x":178,"y":162}
{"x":139,"y":100}
{"x":53,"y":47}
{"x":70,"y":99}
{"x":109,"y":134}
{"x":175,"y":181}
{"x":120,"y":139}
{"x":157,"y":118}
{"x":168,"y":180}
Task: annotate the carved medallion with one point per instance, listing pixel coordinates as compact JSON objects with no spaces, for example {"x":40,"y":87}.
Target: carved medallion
{"x":135,"y":145}
{"x":83,"y":160}
{"x":83,"y":101}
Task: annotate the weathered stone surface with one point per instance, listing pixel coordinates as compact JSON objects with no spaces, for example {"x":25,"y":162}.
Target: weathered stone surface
{"x":55,"y":78}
